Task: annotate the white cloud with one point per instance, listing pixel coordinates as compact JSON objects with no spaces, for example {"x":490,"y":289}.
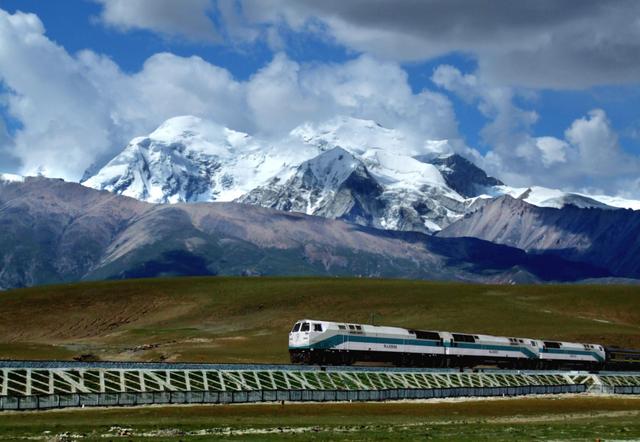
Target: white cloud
{"x":62,"y":111}
{"x":509,"y":125}
{"x":597,"y":146}
{"x":540,"y":44}
{"x":82,"y":108}
{"x":588,"y":158}
{"x":285,"y":94}
{"x":553,"y":150}
{"x":185,"y":18}
{"x":543,"y":43}
{"x":79,"y":109}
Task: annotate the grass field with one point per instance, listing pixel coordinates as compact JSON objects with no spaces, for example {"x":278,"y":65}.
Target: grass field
{"x":569,"y":418}
{"x":247,"y":319}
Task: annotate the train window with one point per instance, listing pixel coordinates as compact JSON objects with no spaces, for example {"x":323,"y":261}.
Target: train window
{"x":305,"y":327}
{"x":317,"y":327}
{"x":462,"y":338}
{"x":358,"y":327}
{"x":427,"y":335}
{"x":550,"y":344}
{"x":352,"y":327}
{"x":533,"y":343}
{"x":342,"y":327}
{"x":296,"y":327}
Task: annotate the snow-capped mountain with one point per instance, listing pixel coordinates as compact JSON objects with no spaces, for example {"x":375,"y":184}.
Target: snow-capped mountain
{"x":345,"y":168}
{"x":462,"y":175}
{"x":557,"y":199}
{"x":11,"y":178}
{"x":335,"y":184}
{"x":366,"y":174}
{"x":188,"y":159}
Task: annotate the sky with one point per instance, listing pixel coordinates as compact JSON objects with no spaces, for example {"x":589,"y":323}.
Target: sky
{"x":535,"y":92}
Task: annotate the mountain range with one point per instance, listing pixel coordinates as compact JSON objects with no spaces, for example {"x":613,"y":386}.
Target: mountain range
{"x":54,"y":231}
{"x":607,"y":238}
{"x":345,"y":168}
{"x":344,"y":198}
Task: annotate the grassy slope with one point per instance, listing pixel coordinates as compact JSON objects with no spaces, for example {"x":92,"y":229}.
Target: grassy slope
{"x":247,"y":319}
{"x":570,"y":418}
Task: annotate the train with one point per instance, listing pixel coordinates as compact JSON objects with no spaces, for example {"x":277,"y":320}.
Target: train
{"x":343,"y":343}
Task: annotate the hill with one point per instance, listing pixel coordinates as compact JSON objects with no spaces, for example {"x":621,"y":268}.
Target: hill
{"x":52,"y":231}
{"x":247,"y":319}
{"x":594,"y":235}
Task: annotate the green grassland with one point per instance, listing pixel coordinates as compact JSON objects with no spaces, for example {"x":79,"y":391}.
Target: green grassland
{"x":570,"y":418}
{"x":247,"y":319}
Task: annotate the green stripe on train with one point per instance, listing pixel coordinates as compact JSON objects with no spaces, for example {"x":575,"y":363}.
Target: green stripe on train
{"x":336,"y":340}
{"x":573,"y":352}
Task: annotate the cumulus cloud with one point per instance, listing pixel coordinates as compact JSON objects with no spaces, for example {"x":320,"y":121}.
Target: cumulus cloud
{"x":7,"y":159}
{"x":597,"y":146}
{"x":589,"y":157}
{"x":553,"y":150}
{"x":185,"y":18}
{"x":544,"y":43}
{"x":285,"y":94}
{"x":509,"y":125}
{"x":80,"y":109}
{"x":62,"y":112}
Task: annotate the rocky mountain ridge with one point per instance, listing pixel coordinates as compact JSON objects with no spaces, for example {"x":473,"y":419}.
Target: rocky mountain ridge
{"x":600,"y":236}
{"x":394,"y":184}
{"x":53,"y":231}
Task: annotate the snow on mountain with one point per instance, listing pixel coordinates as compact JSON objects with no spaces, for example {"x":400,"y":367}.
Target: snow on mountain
{"x":345,"y":168}
{"x":615,"y":201}
{"x":462,"y":175}
{"x":545,"y":197}
{"x":188,"y":159}
{"x":354,"y":135}
{"x":11,"y":178}
{"x":386,"y":187}
{"x":335,"y":184}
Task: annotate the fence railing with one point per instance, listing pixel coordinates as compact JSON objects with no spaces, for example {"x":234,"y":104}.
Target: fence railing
{"x":42,"y":402}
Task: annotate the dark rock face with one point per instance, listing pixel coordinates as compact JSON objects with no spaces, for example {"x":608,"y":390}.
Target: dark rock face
{"x":607,"y":238}
{"x":52,"y":231}
{"x":353,"y":194}
{"x":462,"y":175}
{"x":333,"y":185}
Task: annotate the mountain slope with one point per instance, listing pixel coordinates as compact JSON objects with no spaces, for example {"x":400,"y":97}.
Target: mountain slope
{"x":604,"y":237}
{"x":335,"y":185}
{"x":188,"y":159}
{"x":397,"y":182}
{"x":462,"y":175}
{"x":54,"y":231}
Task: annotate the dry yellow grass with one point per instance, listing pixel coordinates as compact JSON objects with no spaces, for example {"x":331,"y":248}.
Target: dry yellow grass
{"x":247,"y":319}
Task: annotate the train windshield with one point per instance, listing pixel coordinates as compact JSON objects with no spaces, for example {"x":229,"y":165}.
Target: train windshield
{"x":296,"y":327}
{"x":305,"y":327}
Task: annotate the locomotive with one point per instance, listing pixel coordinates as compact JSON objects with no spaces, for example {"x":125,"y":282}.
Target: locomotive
{"x":336,"y":343}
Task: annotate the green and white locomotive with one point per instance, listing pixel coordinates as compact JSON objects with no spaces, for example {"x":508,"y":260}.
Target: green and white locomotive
{"x":334,"y":343}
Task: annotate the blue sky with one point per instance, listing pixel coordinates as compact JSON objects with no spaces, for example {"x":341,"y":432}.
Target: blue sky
{"x":534,"y":101}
